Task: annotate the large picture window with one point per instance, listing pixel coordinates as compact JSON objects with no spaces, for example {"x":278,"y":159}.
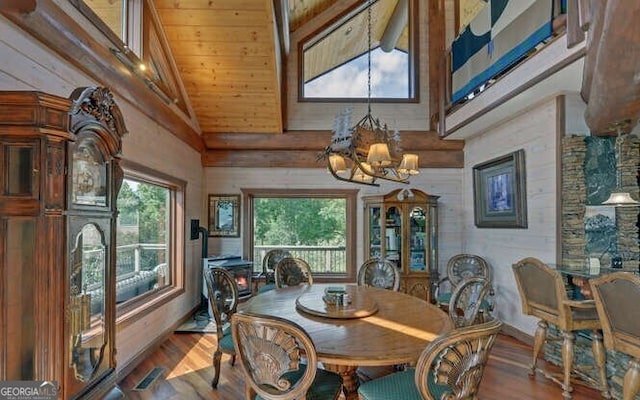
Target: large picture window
{"x":147,"y":241}
{"x":315,"y":225}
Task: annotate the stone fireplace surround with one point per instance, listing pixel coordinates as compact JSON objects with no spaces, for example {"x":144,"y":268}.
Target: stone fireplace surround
{"x":588,"y":176}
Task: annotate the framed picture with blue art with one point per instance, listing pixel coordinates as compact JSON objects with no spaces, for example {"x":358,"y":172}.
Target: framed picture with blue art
{"x":500,"y":193}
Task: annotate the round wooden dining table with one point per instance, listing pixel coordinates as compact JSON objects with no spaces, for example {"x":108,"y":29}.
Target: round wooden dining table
{"x":374,"y":327}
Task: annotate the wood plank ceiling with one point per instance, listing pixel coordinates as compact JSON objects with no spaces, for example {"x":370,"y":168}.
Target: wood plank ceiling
{"x":226,"y":56}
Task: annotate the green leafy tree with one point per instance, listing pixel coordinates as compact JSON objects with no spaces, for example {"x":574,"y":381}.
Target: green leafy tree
{"x":150,"y":202}
{"x":300,"y":221}
{"x":128,"y":204}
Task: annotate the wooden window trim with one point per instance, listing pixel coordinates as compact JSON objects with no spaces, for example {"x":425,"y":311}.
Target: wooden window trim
{"x":130,"y":311}
{"x":350,"y":195}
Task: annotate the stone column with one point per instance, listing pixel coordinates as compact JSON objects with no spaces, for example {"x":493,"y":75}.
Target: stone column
{"x":627,"y":217}
{"x":574,"y":199}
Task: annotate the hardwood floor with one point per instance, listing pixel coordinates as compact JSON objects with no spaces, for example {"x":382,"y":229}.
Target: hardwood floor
{"x":185,"y":359}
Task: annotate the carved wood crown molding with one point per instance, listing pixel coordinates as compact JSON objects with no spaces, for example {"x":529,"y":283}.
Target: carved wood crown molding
{"x":93,"y":105}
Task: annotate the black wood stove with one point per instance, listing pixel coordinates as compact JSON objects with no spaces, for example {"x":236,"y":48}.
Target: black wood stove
{"x":239,"y":268}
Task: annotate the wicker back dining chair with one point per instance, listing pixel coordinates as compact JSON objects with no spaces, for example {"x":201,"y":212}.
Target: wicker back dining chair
{"x":543,"y":295}
{"x":450,"y":367}
{"x":378,"y":272}
{"x":468,"y":304}
{"x":460,"y":267}
{"x":269,"y":262}
{"x":617,"y":296}
{"x":223,"y":299}
{"x":279,"y":360}
{"x":292,"y":271}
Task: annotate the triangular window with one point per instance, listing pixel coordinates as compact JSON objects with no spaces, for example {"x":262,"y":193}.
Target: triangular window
{"x":335,"y":61}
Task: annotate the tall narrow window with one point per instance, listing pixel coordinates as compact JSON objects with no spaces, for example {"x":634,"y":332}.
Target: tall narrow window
{"x":119,"y":20}
{"x":113,"y":13}
{"x":147,"y":251}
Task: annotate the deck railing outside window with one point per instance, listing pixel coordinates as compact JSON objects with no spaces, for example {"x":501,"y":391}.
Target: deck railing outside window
{"x":322,"y":259}
{"x":140,"y":268}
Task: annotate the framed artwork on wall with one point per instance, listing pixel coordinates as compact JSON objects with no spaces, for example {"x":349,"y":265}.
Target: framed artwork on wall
{"x":499,"y":192}
{"x":224,"y":215}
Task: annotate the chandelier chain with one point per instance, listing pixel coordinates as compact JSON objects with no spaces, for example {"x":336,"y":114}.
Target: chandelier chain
{"x":369,"y":58}
{"x":366,"y":152}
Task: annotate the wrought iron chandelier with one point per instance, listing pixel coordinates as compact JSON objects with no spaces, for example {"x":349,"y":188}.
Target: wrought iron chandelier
{"x":367,"y":151}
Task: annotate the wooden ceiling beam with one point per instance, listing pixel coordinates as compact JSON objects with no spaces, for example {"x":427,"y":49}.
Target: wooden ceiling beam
{"x":436,"y":59}
{"x":318,"y":140}
{"x":310,"y":158}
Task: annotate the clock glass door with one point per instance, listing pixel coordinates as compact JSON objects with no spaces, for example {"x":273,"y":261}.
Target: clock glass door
{"x":89,"y":175}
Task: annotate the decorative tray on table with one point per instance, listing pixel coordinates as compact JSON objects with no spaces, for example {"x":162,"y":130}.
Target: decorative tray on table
{"x":348,"y":301}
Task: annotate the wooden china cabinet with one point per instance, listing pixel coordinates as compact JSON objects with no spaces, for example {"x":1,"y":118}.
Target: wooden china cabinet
{"x":60,"y":179}
{"x":402,"y":226}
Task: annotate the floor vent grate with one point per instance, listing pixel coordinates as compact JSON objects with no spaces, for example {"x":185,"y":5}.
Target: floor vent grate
{"x":146,"y":382}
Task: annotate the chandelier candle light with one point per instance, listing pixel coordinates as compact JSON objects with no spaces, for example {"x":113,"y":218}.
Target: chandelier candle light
{"x":367,"y":151}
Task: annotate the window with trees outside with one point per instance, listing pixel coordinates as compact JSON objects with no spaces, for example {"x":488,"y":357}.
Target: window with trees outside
{"x":147,"y":250}
{"x":315,"y":225}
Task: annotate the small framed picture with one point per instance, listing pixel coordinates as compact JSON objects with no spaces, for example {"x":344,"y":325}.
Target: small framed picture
{"x":224,"y":215}
{"x":499,"y":192}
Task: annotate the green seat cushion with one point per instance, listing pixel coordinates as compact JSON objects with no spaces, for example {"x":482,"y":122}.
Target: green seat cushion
{"x":396,"y":386}
{"x":326,"y":385}
{"x":399,"y":385}
{"x":444,"y":298}
{"x":226,"y":343}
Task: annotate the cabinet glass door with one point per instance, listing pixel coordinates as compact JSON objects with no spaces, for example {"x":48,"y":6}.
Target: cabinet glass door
{"x":375,"y":243}
{"x":393,"y":235}
{"x":417,"y":238}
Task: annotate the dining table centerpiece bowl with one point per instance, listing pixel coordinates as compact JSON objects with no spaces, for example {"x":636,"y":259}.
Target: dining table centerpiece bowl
{"x":336,"y":295}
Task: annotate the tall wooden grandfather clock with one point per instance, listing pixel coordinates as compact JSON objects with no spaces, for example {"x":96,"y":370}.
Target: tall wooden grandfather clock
{"x":59,"y":183}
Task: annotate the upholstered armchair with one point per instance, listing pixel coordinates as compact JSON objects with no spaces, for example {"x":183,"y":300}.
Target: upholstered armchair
{"x":279,"y":360}
{"x":380,"y":273}
{"x":450,"y":367}
{"x":617,"y":297}
{"x":223,"y":299}
{"x":543,"y":295}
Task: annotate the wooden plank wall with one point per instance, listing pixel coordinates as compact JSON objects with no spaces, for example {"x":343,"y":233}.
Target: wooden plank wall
{"x":27,"y":65}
